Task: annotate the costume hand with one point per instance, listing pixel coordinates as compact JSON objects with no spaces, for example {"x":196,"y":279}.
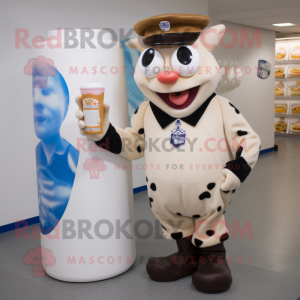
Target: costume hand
{"x":230,"y":181}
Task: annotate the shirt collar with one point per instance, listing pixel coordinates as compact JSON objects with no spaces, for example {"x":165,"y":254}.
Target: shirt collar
{"x":164,"y":119}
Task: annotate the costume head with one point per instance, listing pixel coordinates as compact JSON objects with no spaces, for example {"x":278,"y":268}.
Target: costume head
{"x":176,"y":70}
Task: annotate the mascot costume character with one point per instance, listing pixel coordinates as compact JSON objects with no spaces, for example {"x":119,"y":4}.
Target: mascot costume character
{"x":184,"y":123}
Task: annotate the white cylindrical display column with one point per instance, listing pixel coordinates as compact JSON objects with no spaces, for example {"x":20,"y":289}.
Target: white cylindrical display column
{"x":85,"y":194}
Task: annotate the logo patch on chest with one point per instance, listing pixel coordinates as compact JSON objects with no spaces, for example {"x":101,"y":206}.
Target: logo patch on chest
{"x":178,"y":136}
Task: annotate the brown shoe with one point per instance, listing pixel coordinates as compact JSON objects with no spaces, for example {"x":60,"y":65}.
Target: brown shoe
{"x":213,"y":274}
{"x":175,"y":266}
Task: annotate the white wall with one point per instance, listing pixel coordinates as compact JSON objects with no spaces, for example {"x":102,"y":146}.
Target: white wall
{"x":17,"y":159}
{"x":255,"y":96}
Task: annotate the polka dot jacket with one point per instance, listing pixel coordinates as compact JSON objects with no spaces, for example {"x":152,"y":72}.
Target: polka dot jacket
{"x":184,"y":159}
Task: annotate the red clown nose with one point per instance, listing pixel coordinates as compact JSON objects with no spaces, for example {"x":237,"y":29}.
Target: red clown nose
{"x":168,"y":77}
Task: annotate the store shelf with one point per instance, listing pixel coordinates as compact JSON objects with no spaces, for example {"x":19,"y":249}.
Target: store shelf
{"x":287,"y":62}
{"x":287,"y":134}
{"x":287,"y":98}
{"x":277,"y":79}
{"x":286,"y":65}
{"x":287,"y":116}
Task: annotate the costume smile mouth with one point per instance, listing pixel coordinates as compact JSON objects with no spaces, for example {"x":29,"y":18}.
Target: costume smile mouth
{"x":179,"y":100}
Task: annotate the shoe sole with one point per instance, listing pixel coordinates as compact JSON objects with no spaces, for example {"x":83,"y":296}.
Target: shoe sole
{"x":172,"y":280}
{"x":213,"y":292}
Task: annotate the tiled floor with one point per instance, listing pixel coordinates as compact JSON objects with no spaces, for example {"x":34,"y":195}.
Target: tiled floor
{"x":269,"y":199}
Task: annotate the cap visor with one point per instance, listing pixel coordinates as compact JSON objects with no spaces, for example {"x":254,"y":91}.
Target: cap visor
{"x":171,"y":38}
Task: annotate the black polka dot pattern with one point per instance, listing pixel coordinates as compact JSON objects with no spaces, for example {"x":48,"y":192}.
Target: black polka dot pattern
{"x":198,"y":243}
{"x":241,"y":133}
{"x":236,"y":110}
{"x":210,"y":232}
{"x":207,"y":195}
{"x":224,"y":212}
{"x":176,"y":235}
{"x":224,"y":237}
{"x":150,"y":201}
{"x":139,"y":150}
{"x":136,"y":110}
{"x":204,"y":195}
{"x":153,"y":187}
{"x":179,"y":214}
{"x":141,"y":131}
{"x":226,"y":192}
{"x":233,"y":191}
{"x":196,"y":216}
{"x":219,"y":208}
{"x":210,"y":186}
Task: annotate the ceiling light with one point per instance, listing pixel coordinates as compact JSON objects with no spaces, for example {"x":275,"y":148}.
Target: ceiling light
{"x":287,"y":38}
{"x":283,"y":24}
